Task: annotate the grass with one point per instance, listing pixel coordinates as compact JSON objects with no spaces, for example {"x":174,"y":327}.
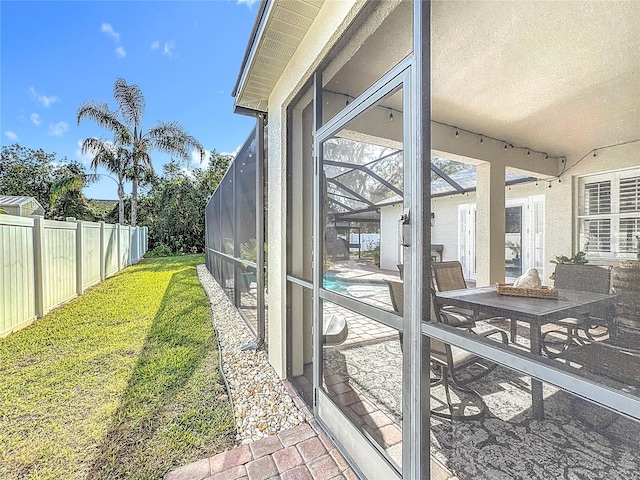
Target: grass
{"x":121,"y":382}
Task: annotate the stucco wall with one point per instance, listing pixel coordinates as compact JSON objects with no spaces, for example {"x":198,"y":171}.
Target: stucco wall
{"x":561,"y":227}
{"x":560,"y":232}
{"x":561,"y":198}
{"x":330,"y":23}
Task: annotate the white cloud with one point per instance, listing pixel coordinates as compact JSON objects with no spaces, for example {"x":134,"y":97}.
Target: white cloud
{"x":58,"y":129}
{"x":120,"y":52}
{"x":168,"y":49}
{"x":248,"y":3}
{"x":35,"y":119}
{"x":43,"y":99}
{"x":11,"y":135}
{"x":195,"y":158}
{"x":108,"y":29}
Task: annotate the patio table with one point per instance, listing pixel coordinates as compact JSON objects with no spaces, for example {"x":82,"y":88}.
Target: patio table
{"x":535,"y":311}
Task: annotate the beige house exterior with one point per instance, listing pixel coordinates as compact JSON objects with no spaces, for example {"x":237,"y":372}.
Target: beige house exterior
{"x":546,"y":90}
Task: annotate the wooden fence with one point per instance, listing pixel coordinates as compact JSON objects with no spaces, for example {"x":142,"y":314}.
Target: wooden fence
{"x":44,"y":263}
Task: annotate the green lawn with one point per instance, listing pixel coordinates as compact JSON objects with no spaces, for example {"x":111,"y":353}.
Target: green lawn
{"x":121,"y":382}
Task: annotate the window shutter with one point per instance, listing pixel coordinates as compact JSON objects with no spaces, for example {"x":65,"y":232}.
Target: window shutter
{"x":597,"y":235}
{"x":597,"y":198}
{"x":630,"y":194}
{"x":629,"y":234}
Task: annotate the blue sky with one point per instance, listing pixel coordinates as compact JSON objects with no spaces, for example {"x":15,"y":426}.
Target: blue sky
{"x":184,"y":55}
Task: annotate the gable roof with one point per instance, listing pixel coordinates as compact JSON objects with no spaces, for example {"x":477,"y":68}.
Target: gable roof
{"x":21,"y":206}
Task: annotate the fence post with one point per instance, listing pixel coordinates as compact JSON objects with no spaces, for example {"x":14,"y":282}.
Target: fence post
{"x":103,"y":254}
{"x":118,"y":244}
{"x":79,"y":256}
{"x":38,"y":239}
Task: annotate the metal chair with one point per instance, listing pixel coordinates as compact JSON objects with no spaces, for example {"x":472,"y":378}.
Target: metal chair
{"x":449,"y":276}
{"x":449,"y":361}
{"x":578,"y":331}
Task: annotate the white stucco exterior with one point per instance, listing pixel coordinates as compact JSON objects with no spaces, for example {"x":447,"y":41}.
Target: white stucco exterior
{"x":332,"y":20}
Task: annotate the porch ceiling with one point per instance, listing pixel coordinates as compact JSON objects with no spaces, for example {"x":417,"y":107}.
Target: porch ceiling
{"x":559,"y":77}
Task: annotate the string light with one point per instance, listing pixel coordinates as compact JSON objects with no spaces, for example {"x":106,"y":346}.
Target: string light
{"x":506,"y":145}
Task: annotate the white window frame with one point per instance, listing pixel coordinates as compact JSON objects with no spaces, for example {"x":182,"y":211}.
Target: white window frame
{"x":614,"y":216}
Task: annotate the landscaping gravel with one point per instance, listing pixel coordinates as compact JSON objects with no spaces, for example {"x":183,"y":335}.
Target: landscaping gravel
{"x":261,"y":404}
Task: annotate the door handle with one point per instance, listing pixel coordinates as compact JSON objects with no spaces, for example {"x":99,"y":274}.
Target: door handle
{"x":405,"y":229}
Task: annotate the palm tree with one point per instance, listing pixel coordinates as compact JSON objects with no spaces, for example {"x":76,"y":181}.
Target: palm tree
{"x":67,"y":188}
{"x":116,"y":159}
{"x":126,"y":125}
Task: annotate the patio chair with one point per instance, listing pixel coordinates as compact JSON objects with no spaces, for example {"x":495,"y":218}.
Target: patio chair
{"x":448,"y":276}
{"x":448,"y":361}
{"x":578,"y":331}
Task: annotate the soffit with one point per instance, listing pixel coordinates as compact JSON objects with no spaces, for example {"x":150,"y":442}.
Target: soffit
{"x":280,"y":31}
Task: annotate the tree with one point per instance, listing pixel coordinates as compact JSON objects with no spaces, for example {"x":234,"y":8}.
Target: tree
{"x":65,"y":196}
{"x":116,"y":159}
{"x":27,"y":172}
{"x":54,"y":183}
{"x":126,"y":125}
{"x":174,"y":210}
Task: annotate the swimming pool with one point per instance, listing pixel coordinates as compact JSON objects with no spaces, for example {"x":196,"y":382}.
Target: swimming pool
{"x":352,"y":287}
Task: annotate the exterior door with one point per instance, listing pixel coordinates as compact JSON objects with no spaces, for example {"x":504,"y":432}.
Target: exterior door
{"x":361,"y":157}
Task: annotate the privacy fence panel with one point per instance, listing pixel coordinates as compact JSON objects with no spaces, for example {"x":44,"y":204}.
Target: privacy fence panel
{"x":125,"y":245}
{"x":135,"y":245}
{"x":91,"y":258}
{"x":59,"y":262}
{"x":111,"y":249}
{"x":17,"y":285}
{"x":44,"y":263}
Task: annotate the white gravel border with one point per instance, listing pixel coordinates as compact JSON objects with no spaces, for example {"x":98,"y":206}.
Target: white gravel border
{"x":262,"y":405}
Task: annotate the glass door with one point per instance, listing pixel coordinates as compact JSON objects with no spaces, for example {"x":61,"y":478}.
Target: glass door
{"x":513,"y":242}
{"x":467,"y":239}
{"x":358,"y":367}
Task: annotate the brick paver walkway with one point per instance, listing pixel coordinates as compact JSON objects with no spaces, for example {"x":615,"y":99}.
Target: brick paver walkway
{"x":304,"y":452}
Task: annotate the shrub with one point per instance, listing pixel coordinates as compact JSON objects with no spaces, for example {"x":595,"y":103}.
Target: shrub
{"x":159,"y":251}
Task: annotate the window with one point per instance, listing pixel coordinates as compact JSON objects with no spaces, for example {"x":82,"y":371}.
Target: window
{"x":609,"y":215}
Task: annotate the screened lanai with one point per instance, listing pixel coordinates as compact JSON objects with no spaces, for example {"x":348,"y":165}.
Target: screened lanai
{"x":235,"y":235}
{"x":545,"y":90}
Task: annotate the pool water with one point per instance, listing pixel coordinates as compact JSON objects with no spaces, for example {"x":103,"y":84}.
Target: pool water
{"x":330,"y":282}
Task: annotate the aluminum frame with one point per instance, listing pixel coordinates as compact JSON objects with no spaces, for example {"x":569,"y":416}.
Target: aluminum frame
{"x":400,"y":76}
